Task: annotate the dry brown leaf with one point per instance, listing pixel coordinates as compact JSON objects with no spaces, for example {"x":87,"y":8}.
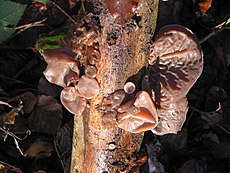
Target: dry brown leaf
{"x":205,"y":5}
{"x":10,"y":116}
{"x":41,"y":148}
{"x":47,"y":115}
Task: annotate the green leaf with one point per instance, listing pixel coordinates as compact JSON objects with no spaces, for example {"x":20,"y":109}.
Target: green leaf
{"x":52,"y":41}
{"x":10,"y":14}
{"x":43,"y":1}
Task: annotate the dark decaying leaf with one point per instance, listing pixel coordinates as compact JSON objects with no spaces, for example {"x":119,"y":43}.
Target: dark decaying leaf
{"x":226,"y":113}
{"x":192,"y":166}
{"x":216,"y":96}
{"x":220,"y":150}
{"x":154,"y":165}
{"x":47,"y":115}
{"x":175,"y":141}
{"x":212,"y":118}
{"x":10,"y":150}
{"x":47,"y":88}
{"x":177,"y":55}
{"x":63,"y":139}
{"x":41,"y":148}
{"x":63,"y":142}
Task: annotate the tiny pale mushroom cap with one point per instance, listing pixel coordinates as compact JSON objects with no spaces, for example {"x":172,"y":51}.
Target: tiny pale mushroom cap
{"x":72,"y":101}
{"x":145,"y":119}
{"x":88,"y":87}
{"x":129,"y":87}
{"x":60,"y":63}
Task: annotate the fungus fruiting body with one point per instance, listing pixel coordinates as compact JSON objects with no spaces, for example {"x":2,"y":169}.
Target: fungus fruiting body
{"x":145,"y":117}
{"x":175,"y":63}
{"x":88,"y":87}
{"x":72,"y":101}
{"x":180,"y":63}
{"x":63,"y":70}
{"x":121,"y":10}
{"x":60,"y":63}
{"x":74,"y":68}
{"x":129,"y":87}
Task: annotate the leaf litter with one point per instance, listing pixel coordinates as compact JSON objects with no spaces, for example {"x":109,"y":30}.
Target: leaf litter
{"x":201,"y":146}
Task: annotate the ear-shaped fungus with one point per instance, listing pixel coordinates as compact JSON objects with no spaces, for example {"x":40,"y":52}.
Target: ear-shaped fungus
{"x":121,"y":10}
{"x":88,"y":87}
{"x":143,"y":118}
{"x":60,"y":64}
{"x":177,"y":54}
{"x":72,"y":101}
{"x":63,"y":70}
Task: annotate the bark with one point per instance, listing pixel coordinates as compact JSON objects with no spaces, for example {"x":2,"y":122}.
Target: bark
{"x":102,"y":147}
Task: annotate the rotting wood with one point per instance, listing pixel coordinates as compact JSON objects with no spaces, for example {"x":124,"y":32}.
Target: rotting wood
{"x":104,"y":148}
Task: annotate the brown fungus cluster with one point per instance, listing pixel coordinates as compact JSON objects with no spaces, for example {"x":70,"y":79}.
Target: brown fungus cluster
{"x":63,"y":70}
{"x":121,"y":10}
{"x":85,"y":42}
{"x":161,"y":106}
{"x":74,"y":69}
{"x":132,"y":112}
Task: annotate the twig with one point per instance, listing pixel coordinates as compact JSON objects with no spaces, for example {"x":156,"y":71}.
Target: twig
{"x":214,"y":32}
{"x":5,"y":103}
{"x":24,"y":27}
{"x":205,"y":114}
{"x":16,"y":138}
{"x":56,"y":149}
{"x":29,"y":25}
{"x":67,"y":15}
{"x":217,"y":29}
{"x":11,"y":166}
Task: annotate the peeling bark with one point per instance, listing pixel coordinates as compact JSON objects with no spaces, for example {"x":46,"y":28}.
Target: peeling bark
{"x":102,"y":147}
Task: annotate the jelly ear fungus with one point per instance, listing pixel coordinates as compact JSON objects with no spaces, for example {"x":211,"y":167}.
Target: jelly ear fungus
{"x":175,"y":63}
{"x":121,"y":10}
{"x":141,"y":119}
{"x":179,"y":58}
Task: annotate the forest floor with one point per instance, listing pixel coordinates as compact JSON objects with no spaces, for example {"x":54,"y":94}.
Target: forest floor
{"x":203,"y":144}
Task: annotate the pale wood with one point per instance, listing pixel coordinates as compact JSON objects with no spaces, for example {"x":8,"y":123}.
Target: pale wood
{"x":91,"y":138}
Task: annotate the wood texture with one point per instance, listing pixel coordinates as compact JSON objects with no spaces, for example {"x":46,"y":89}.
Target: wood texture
{"x":100,"y":147}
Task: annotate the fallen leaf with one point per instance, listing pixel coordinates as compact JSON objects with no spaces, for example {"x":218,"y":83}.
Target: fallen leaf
{"x":47,"y":115}
{"x":41,"y":148}
{"x":10,"y":116}
{"x":205,"y":5}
